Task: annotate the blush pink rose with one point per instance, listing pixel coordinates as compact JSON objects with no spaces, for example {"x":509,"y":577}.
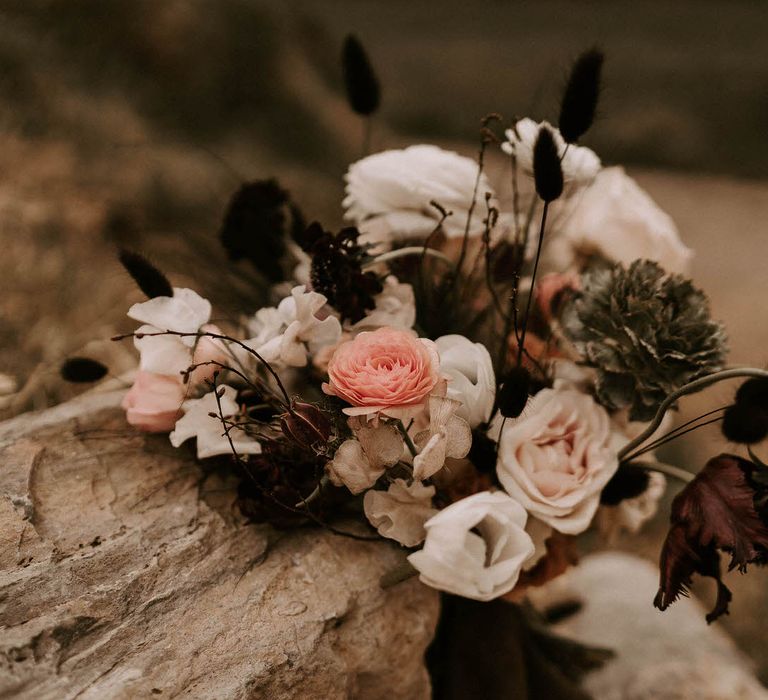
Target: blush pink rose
{"x":387,"y":371}
{"x":208,"y":349}
{"x":557,"y":458}
{"x":153,"y":403}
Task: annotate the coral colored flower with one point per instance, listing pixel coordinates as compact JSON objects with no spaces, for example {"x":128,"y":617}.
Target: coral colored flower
{"x":153,"y":403}
{"x":386,"y":371}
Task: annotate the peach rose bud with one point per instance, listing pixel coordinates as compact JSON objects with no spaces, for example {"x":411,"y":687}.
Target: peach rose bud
{"x":153,"y":403}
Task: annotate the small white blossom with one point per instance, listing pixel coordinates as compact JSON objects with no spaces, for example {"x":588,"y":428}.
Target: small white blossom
{"x":580,"y":165}
{"x":209,"y":431}
{"x":184,"y":312}
{"x":286,"y":334}
{"x":361,"y":460}
{"x":447,"y":436}
{"x":395,"y":307}
{"x":400,"y":512}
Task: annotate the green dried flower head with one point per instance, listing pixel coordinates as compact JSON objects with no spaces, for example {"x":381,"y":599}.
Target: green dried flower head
{"x":645,"y":331}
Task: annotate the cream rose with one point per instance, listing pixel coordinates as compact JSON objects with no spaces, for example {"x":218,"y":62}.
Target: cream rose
{"x":388,"y":371}
{"x":475,"y":547}
{"x":615,"y":218}
{"x":557,"y":457}
{"x":389,"y":193}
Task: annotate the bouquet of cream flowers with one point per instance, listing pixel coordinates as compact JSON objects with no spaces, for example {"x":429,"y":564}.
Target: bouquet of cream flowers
{"x":474,"y":371}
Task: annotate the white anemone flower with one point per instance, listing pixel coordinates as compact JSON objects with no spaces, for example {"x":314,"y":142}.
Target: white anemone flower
{"x":476,"y":547}
{"x":469,"y":368}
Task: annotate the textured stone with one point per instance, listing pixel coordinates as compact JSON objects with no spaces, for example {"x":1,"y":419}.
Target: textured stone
{"x":125,"y":572}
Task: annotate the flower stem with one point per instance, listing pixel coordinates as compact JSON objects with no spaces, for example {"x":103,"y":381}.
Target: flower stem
{"x":407,"y":438}
{"x":690,"y":388}
{"x":410,"y":250}
{"x":523,"y":331}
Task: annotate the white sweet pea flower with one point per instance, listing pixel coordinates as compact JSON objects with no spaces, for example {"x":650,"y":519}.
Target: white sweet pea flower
{"x":395,"y":307}
{"x":361,"y":460}
{"x":618,"y":220}
{"x":472,"y":381}
{"x":162,"y":354}
{"x":475,"y":547}
{"x":184,"y":312}
{"x":389,"y":193}
{"x":209,"y":431}
{"x":557,"y":458}
{"x":580,"y":165}
{"x":448,"y":436}
{"x":400,"y":512}
{"x":287,"y":334}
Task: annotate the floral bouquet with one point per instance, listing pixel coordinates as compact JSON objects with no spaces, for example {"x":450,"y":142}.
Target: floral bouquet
{"x":478,"y":371}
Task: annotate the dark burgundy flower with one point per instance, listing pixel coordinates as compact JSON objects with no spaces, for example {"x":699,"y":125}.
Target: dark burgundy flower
{"x":720,"y":510}
{"x":337,"y":272}
{"x":275,"y":481}
{"x":306,"y":425}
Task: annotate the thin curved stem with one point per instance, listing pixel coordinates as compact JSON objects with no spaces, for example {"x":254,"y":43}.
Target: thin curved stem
{"x":524,"y":329}
{"x":407,"y":438}
{"x":679,"y":431}
{"x":690,"y":388}
{"x":410,"y":250}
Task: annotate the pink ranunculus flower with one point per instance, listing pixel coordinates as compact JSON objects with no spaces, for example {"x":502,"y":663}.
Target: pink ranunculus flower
{"x":153,"y":403}
{"x":388,"y":371}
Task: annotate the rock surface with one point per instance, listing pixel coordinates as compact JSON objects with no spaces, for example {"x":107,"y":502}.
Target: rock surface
{"x":125,"y":573}
{"x":673,"y":655}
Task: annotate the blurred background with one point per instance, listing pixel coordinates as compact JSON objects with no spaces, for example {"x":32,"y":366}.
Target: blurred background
{"x":131,"y":123}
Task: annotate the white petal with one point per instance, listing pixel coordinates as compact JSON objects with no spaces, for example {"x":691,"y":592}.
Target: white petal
{"x":351,"y":468}
{"x":401,"y":511}
{"x":184,"y":312}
